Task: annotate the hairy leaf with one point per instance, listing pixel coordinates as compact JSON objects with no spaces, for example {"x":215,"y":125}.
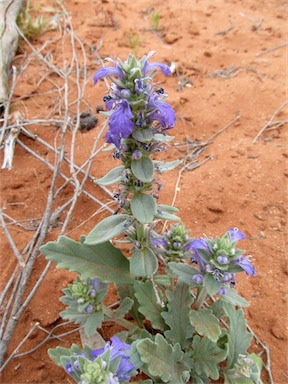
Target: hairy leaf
{"x":238,"y":339}
{"x":114,"y":176}
{"x":212,"y":286}
{"x":108,"y":228}
{"x":145,"y":295}
{"x":143,"y":169}
{"x":124,"y":307}
{"x":143,"y":208}
{"x":164,"y":166}
{"x":184,"y":272}
{"x":177,"y":315}
{"x":103,"y":261}
{"x":143,"y":263}
{"x":233,"y":298}
{"x":142,"y":135}
{"x":162,"y":359}
{"x":205,"y":323}
{"x":207,"y":355}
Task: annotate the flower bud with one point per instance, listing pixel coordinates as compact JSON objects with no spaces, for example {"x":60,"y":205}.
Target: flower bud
{"x":177,"y":245}
{"x":89,"y":309}
{"x":136,"y":155}
{"x":222,"y":291}
{"x":198,"y":279}
{"x":222,"y":260}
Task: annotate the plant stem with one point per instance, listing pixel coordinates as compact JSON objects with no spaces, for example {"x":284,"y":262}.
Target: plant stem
{"x":124,"y":323}
{"x":201,"y":297}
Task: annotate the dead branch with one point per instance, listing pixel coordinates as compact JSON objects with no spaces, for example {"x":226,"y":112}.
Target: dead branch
{"x":9,"y":10}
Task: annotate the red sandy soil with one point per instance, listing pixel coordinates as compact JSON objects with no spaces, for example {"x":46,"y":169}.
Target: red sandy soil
{"x":232,"y":51}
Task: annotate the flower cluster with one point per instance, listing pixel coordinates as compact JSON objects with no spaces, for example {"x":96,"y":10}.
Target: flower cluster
{"x":88,"y":293}
{"x":174,"y":244}
{"x":220,"y":258}
{"x":133,"y":101}
{"x":108,"y":365}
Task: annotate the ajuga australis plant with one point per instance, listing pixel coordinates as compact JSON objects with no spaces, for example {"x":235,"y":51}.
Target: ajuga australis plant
{"x":186,"y":323}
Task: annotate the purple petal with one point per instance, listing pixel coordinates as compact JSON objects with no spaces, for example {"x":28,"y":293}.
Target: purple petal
{"x":150,"y":67}
{"x":245,"y":265}
{"x":200,"y":244}
{"x":235,"y":234}
{"x":98,"y":285}
{"x":105,"y":71}
{"x":161,"y":112}
{"x":120,"y":125}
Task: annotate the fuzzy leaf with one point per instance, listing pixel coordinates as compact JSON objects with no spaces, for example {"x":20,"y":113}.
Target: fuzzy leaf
{"x":238,"y":339}
{"x":166,"y":216}
{"x":205,"y":323}
{"x":143,"y":169}
{"x":143,"y":263}
{"x":145,"y":295}
{"x":108,"y":228}
{"x":177,"y":315}
{"x":184,"y":272}
{"x":114,"y":176}
{"x":164,"y":166}
{"x":103,"y":262}
{"x":162,"y":359}
{"x":142,"y":135}
{"x":124,"y":307}
{"x":167,"y":208}
{"x":212,"y":286}
{"x":143,"y":208}
{"x":158,"y":137}
{"x":206,"y":356}
{"x":233,"y":298}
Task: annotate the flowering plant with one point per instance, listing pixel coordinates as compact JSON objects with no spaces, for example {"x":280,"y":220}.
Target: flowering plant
{"x":188,"y":324}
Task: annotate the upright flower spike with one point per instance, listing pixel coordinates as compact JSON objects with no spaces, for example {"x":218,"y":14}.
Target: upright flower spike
{"x":132,"y":100}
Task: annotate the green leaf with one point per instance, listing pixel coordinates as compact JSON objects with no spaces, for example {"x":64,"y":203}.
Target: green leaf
{"x":205,"y":323}
{"x":184,"y":272}
{"x":142,"y":135}
{"x":166,"y":216}
{"x":127,"y":290}
{"x":177,"y":315}
{"x":206,"y":356}
{"x":212,"y":286}
{"x":143,"y":208}
{"x":103,"y":262}
{"x":159,"y":138}
{"x":108,"y":228}
{"x":164,"y":166}
{"x":167,"y":208}
{"x":124,"y":307}
{"x":233,"y":298}
{"x":93,"y":322}
{"x":145,"y":295}
{"x":238,"y":339}
{"x":162,"y":359}
{"x":114,"y":176}
{"x":143,"y":263}
{"x":143,"y":169}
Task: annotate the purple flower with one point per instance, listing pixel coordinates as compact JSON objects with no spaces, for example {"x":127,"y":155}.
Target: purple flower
{"x":245,"y":264}
{"x":195,"y":245}
{"x":117,"y":349}
{"x":161,"y":112}
{"x":120,"y":125}
{"x":105,"y":71}
{"x":150,"y":67}
{"x":159,"y":242}
{"x":235,"y":234}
